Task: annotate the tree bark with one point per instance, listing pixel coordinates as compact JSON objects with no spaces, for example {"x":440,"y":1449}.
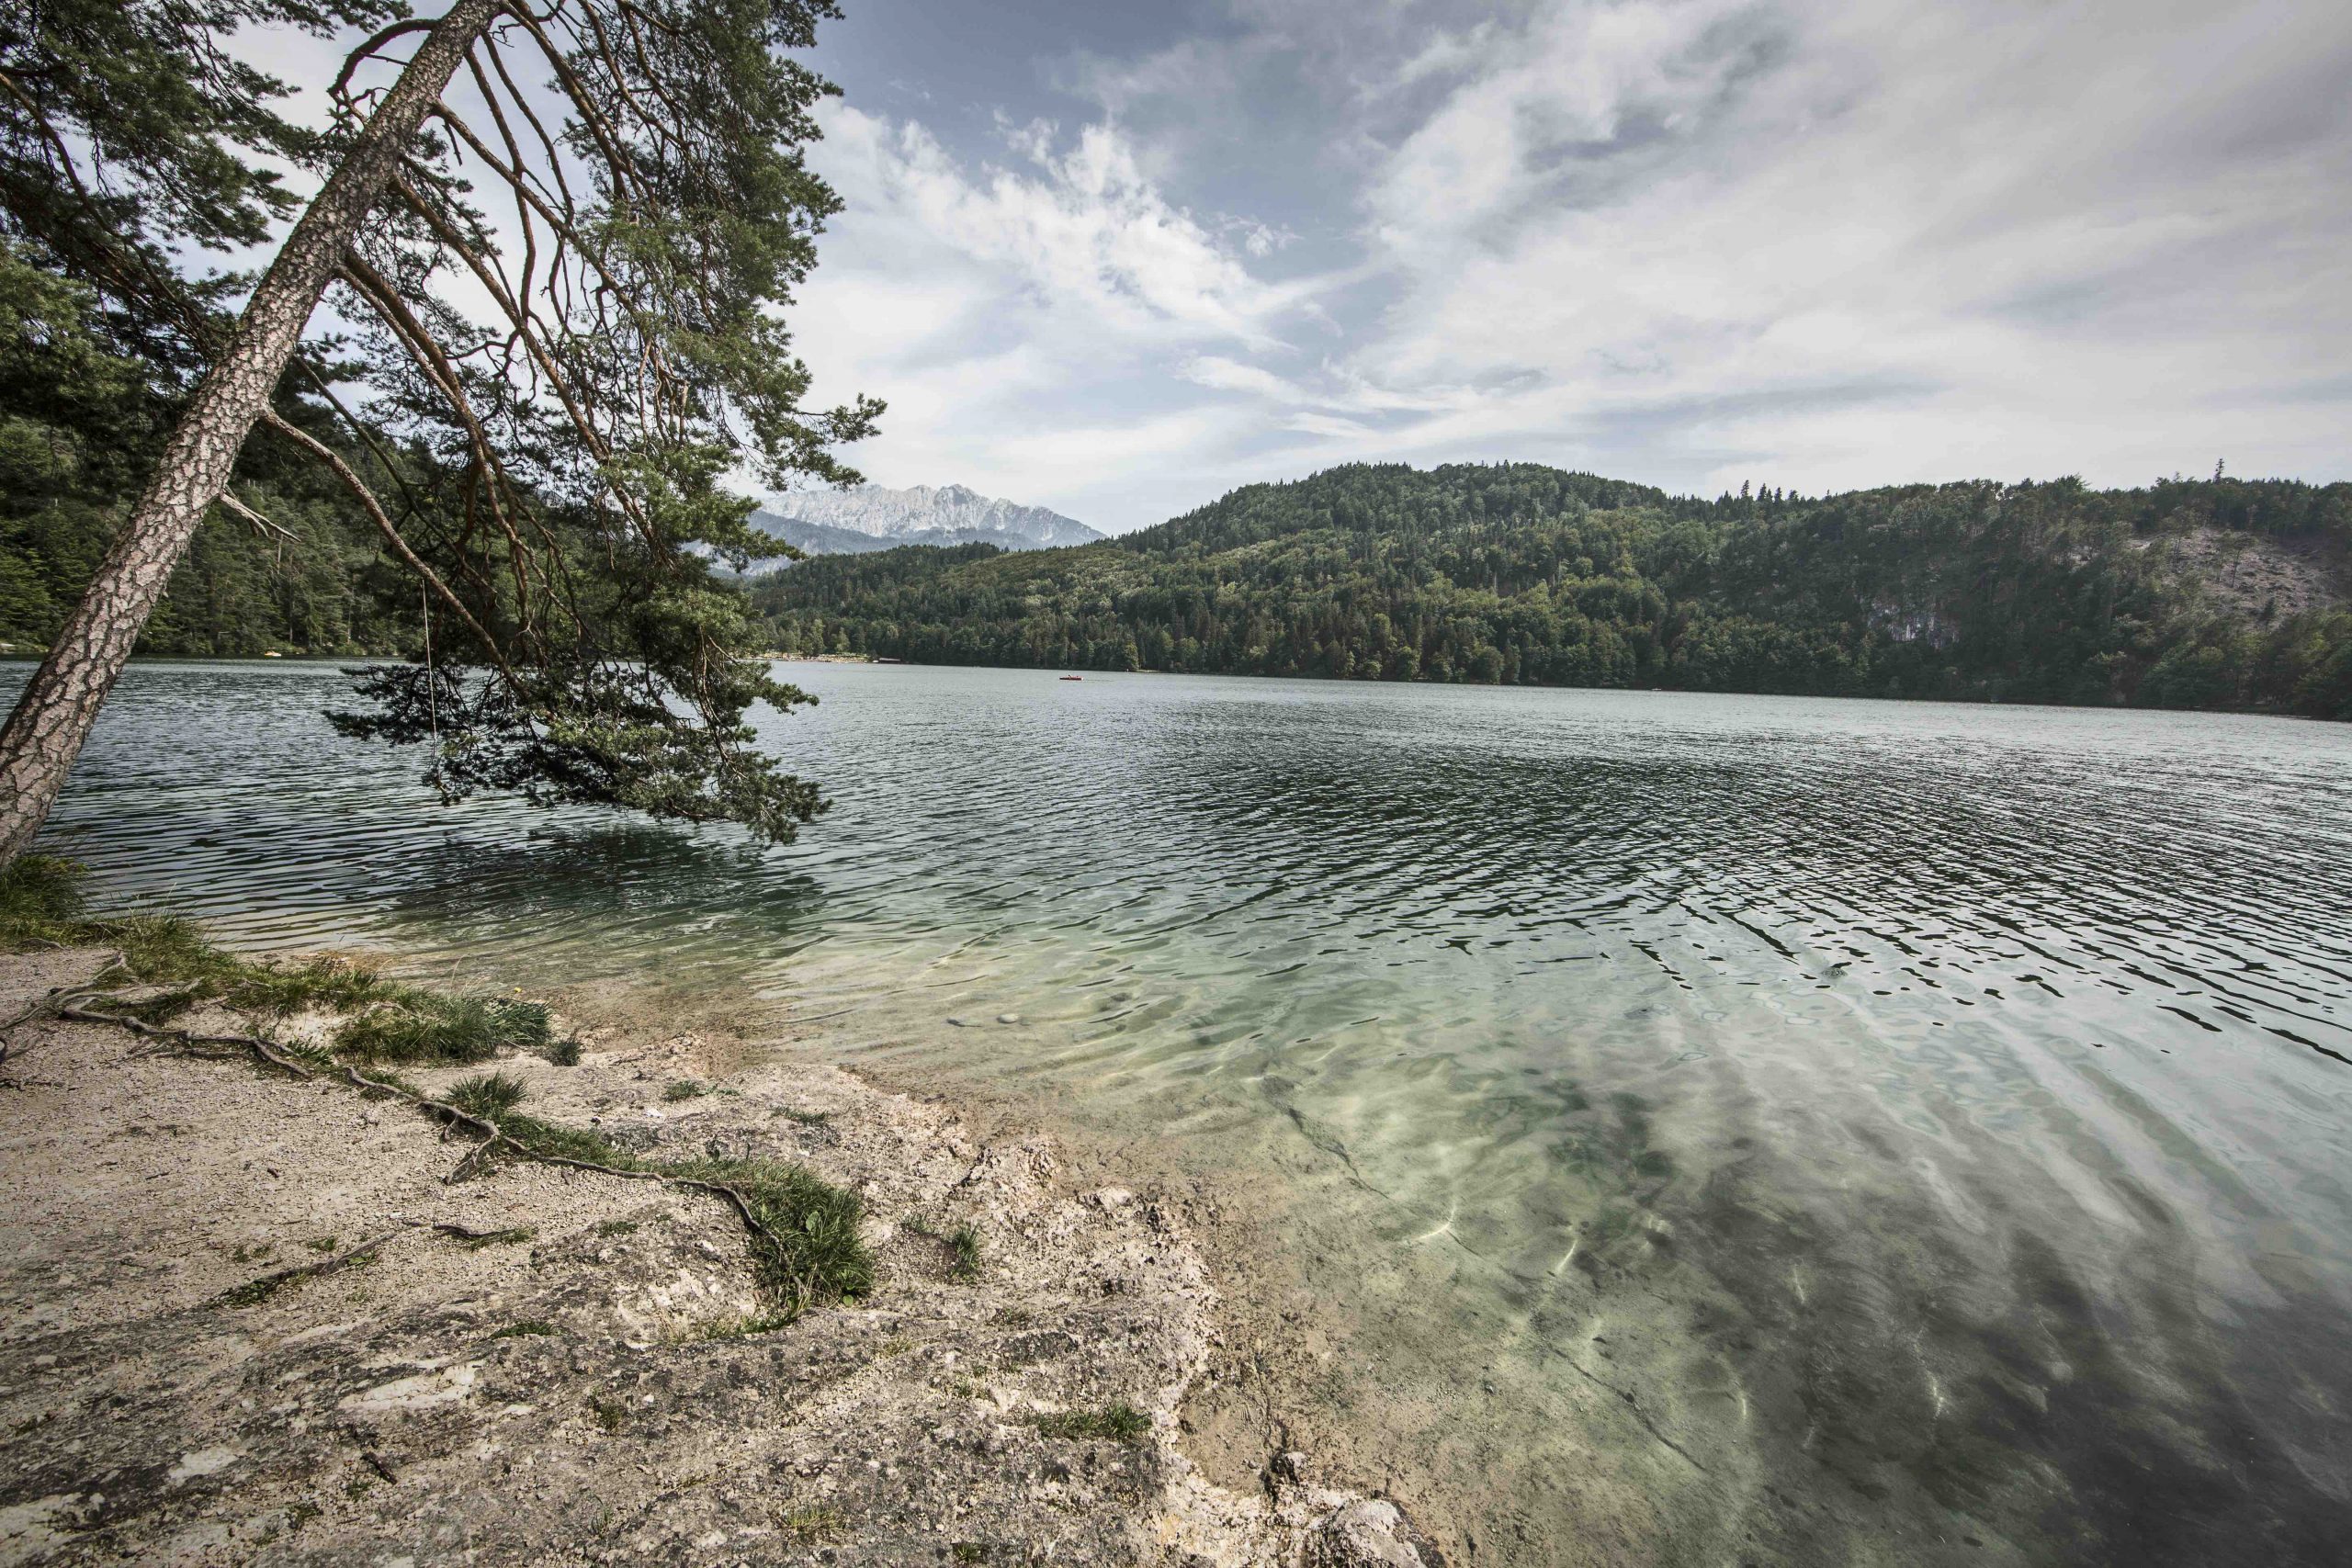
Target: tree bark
{"x":54,"y":717}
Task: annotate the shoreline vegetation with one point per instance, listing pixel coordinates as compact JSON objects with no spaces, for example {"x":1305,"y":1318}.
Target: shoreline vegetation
{"x":332,"y":1263}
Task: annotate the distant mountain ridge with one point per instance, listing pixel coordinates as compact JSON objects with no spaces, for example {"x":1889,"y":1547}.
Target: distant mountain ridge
{"x":873,"y":517}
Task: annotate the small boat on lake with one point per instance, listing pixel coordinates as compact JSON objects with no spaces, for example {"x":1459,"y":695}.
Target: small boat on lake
{"x":1073,"y":677}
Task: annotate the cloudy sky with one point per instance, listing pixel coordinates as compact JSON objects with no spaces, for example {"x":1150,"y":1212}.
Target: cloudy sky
{"x":1117,"y":259}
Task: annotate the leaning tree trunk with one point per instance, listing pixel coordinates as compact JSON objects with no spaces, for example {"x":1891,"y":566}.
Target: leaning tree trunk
{"x":54,"y":717}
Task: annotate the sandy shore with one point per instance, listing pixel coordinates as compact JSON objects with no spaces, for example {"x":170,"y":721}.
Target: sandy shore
{"x":548,"y":1366}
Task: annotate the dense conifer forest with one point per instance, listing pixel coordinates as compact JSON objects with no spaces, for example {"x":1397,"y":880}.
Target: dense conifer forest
{"x":2217,"y":592}
{"x":82,"y":418}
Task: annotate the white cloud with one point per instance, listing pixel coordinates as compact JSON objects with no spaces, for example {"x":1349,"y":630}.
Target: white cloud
{"x":1075,"y":219}
{"x":1823,"y":242}
{"x":1856,"y":244}
{"x":1231,"y":376}
{"x":1034,"y":320}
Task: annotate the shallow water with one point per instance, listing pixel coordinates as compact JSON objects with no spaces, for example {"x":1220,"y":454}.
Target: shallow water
{"x":1719,"y":1129}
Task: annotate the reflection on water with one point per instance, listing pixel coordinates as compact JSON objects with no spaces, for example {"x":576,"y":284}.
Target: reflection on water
{"x":1729,"y":1129}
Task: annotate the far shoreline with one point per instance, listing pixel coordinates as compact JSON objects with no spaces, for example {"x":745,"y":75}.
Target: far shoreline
{"x":1056,"y":672}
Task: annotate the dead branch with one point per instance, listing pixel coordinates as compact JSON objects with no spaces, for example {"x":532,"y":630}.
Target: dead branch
{"x":412,"y":335}
{"x":255,"y":521}
{"x":375,"y":510}
{"x":350,"y":62}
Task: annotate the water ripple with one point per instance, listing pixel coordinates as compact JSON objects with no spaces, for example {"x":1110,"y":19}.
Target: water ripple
{"x":1822,"y":1130}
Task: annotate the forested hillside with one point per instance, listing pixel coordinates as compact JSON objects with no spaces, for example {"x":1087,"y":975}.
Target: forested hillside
{"x":2215,"y":593}
{"x":80,"y":419}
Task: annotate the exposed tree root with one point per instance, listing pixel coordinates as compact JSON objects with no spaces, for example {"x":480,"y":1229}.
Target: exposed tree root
{"x":64,"y":1004}
{"x":49,"y":1005}
{"x":186,"y":1040}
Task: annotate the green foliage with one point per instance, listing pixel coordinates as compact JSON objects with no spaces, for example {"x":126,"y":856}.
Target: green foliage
{"x":815,"y":1252}
{"x":683,"y":1088}
{"x":606,"y":663}
{"x":330,"y":985}
{"x":527,"y":1327}
{"x":1115,"y":1423}
{"x":486,"y":1094}
{"x":130,"y":128}
{"x":1515,"y":573}
{"x":553,"y":1141}
{"x":405,"y":1023}
{"x":38,"y":893}
{"x":567,"y":499}
{"x":42,"y":904}
{"x":81,"y":421}
{"x":964,"y":1246}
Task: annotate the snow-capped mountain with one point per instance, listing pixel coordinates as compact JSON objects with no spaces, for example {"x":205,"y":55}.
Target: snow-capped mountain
{"x":925,"y":514}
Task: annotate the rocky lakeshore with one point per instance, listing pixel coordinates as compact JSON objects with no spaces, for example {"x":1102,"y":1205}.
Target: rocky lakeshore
{"x":251,"y":1315}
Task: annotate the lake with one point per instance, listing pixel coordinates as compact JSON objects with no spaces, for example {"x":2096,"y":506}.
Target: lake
{"x":1699,"y":1129}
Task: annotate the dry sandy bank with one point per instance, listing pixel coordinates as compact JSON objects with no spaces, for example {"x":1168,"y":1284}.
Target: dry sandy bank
{"x":573,"y":1373}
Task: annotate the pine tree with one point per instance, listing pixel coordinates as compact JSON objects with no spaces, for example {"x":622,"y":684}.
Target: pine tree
{"x":634,"y":358}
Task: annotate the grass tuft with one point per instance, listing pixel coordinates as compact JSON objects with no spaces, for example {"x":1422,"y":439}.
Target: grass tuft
{"x":811,"y":1523}
{"x":814,"y":1250}
{"x":405,"y":1024}
{"x":564,"y":1143}
{"x":963,"y":1244}
{"x":486,"y":1094}
{"x":809,"y":1248}
{"x":683,"y":1088}
{"x":526,"y":1327}
{"x":39,"y":890}
{"x":1116,"y":1422}
{"x":43,"y":905}
{"x":514,"y":1235}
